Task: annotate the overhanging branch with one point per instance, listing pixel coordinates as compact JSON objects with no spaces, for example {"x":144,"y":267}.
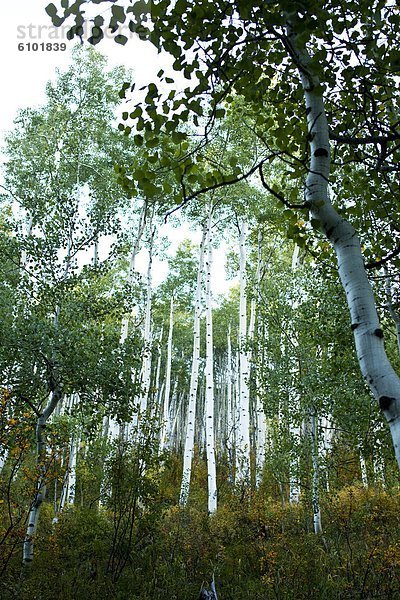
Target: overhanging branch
{"x":278,"y":195}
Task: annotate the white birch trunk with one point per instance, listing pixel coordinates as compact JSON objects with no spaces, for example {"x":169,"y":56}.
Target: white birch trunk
{"x":209,"y":398}
{"x":172,"y":413}
{"x":165,"y":424}
{"x":27,"y":235}
{"x":230,"y":407}
{"x":3,"y":457}
{"x":261,"y":438}
{"x":363,"y":469}
{"x":201,"y":422}
{"x":294,"y":486}
{"x":72,"y":469}
{"x":315,"y":475}
{"x":147,"y":335}
{"x":176,"y":421}
{"x":96,"y":252}
{"x":327,"y":439}
{"x":261,"y":426}
{"x":378,"y":465}
{"x":132,"y":263}
{"x":295,"y":432}
{"x":194,"y":382}
{"x":236,"y":406}
{"x":243,"y":439}
{"x":141,"y":402}
{"x":69,"y":484}
{"x":375,"y":366}
{"x":157,"y":393}
{"x":55,"y":396}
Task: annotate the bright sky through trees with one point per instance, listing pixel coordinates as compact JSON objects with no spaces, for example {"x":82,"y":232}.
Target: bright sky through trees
{"x":27,"y":71}
{"x":216,"y":413}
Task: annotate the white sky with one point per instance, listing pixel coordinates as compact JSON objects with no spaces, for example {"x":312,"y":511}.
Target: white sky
{"x":24,"y":75}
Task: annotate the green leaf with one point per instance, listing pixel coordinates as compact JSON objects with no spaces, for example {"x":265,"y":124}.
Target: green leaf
{"x":121,"y":39}
{"x":152,"y":143}
{"x":315,"y":224}
{"x":118,"y":13}
{"x":136,"y":113}
{"x":51,"y":10}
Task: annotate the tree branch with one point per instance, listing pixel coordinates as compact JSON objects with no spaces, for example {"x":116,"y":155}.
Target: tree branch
{"x":216,"y":186}
{"x":382,"y":261}
{"x":278,"y":195}
{"x":368,"y":139}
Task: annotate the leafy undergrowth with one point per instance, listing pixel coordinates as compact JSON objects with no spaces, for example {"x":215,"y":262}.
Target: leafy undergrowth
{"x":256,"y":546}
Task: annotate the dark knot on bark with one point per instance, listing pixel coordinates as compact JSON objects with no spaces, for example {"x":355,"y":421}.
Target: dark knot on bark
{"x":385,"y":402}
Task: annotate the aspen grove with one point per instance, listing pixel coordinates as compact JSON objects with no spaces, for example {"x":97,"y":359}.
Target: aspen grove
{"x":199,"y":307}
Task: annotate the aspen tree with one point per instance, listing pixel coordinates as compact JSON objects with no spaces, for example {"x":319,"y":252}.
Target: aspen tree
{"x":55,"y":386}
{"x":166,"y":406}
{"x":243,"y":431}
{"x":194,"y":379}
{"x":209,"y":373}
{"x":294,"y":487}
{"x":145,"y":378}
{"x":315,"y":473}
{"x":55,"y":398}
{"x":273,"y":47}
{"x":146,"y":367}
{"x":260,"y":424}
{"x":229,"y":396}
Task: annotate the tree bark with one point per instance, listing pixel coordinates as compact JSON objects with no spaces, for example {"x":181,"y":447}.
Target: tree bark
{"x":375,"y":366}
{"x":40,"y":494}
{"x":209,"y":400}
{"x":315,"y":473}
{"x":243,"y":442}
{"x":194,"y":381}
{"x":230,"y":407}
{"x":165,"y":425}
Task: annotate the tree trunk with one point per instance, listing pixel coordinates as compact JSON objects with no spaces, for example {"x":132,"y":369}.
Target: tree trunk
{"x":194,"y":381}
{"x":315,"y":473}
{"x":260,"y":423}
{"x":209,"y":399}
{"x":294,"y":400}
{"x":375,"y":366}
{"x":165,"y":425}
{"x":363,"y":469}
{"x":40,"y":494}
{"x":243,"y":441}
{"x":141,"y":404}
{"x":261,"y":436}
{"x":230,"y":408}
{"x":157,"y":390}
{"x":132,"y":262}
